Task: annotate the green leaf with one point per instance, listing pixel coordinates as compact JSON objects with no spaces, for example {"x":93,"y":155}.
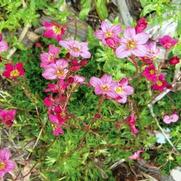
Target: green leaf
{"x":85,"y":8}
{"x":101,"y":9}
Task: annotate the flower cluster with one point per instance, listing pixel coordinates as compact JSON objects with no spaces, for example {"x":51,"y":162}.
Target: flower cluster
{"x":133,"y":43}
{"x":168,"y":119}
{"x":62,"y":71}
{"x":116,"y":90}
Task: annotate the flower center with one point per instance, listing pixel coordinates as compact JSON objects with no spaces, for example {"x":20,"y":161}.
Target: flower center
{"x":51,"y":58}
{"x":152,"y":72}
{"x":108,"y":34}
{"x":2,"y":165}
{"x":131,"y":44}
{"x":105,"y":87}
{"x":159,"y":83}
{"x":119,"y":90}
{"x":14,"y":73}
{"x":75,"y":49}
{"x":56,"y":29}
{"x":60,"y":73}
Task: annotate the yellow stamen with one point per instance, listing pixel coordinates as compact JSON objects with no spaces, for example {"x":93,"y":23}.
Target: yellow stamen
{"x":159,"y":83}
{"x":56,"y":29}
{"x":60,"y":73}
{"x":14,"y":73}
{"x":152,"y":72}
{"x":119,"y":90}
{"x":2,"y":165}
{"x":105,"y":87}
{"x":108,"y":34}
{"x":131,"y":44}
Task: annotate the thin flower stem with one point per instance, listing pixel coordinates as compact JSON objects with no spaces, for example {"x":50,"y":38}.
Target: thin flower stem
{"x":150,"y":106}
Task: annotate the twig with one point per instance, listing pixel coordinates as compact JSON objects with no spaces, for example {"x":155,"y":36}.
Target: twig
{"x":124,"y":12}
{"x":150,"y":106}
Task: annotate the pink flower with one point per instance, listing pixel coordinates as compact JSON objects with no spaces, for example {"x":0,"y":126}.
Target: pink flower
{"x":109,"y":34}
{"x":3,"y":45}
{"x":167,"y":42}
{"x":174,"y":60}
{"x":123,"y":90}
{"x":160,"y":83}
{"x":136,"y":155}
{"x":132,"y":123}
{"x":150,"y":73}
{"x":47,"y":58}
{"x":152,"y":50}
{"x":7,"y":116}
{"x":168,"y":119}
{"x":6,"y":165}
{"x":79,"y":79}
{"x":53,"y":30}
{"x":141,"y":25}
{"x":57,"y":70}
{"x":13,"y":71}
{"x":76,"y":48}
{"x":132,"y":44}
{"x":104,"y":86}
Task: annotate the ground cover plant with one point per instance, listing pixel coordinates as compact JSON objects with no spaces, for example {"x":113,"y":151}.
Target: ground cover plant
{"x":105,"y":106}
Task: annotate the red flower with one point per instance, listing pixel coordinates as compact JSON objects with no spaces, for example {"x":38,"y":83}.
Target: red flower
{"x":160,"y":83}
{"x":150,"y":73}
{"x":167,"y":42}
{"x":13,"y":71}
{"x":7,"y":116}
{"x":174,"y":60}
{"x":141,"y":25}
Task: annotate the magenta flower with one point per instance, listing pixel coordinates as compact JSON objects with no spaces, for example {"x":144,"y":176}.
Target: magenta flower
{"x":123,"y":90}
{"x":56,"y":118}
{"x":50,"y":56}
{"x":6,"y":165}
{"x":174,"y":60}
{"x":57,"y":70}
{"x":141,"y":25}
{"x":109,"y":34}
{"x":167,"y":42}
{"x":7,"y":116}
{"x":160,"y":83}
{"x":136,"y":155}
{"x":150,"y":73}
{"x":168,"y":119}
{"x":132,"y":44}
{"x":76,"y":48}
{"x":104,"y":86}
{"x":53,"y":30}
{"x":152,"y":50}
{"x":132,"y":124}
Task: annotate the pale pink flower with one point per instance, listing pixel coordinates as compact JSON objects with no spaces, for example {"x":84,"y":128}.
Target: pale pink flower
{"x":104,"y":86}
{"x":136,"y":155}
{"x":109,"y":34}
{"x":50,"y":56}
{"x":168,"y":119}
{"x":7,"y":116}
{"x":123,"y":90}
{"x":3,"y":46}
{"x":152,"y":50}
{"x":6,"y":165}
{"x":76,"y":48}
{"x":57,"y":70}
{"x":132,"y":44}
{"x":79,"y":79}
